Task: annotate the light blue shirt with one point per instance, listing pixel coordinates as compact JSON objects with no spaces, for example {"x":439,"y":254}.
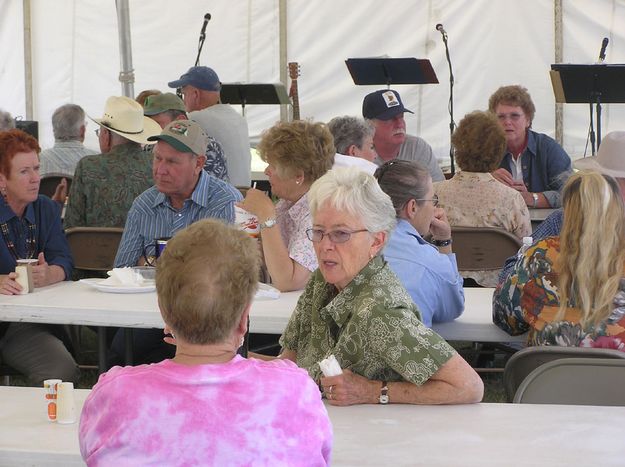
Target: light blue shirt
{"x":152,"y":216}
{"x":432,"y":279}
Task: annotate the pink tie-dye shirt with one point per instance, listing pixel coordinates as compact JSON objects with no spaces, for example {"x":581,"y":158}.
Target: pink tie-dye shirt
{"x":244,"y":412}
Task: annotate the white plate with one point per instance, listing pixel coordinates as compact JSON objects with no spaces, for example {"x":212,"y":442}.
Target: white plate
{"x":97,"y":284}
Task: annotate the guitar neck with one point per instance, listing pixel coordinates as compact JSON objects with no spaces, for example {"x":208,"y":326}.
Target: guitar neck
{"x":295,"y":98}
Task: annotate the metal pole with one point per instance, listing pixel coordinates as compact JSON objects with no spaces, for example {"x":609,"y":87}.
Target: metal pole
{"x":28,"y":62}
{"x":127,"y":73}
{"x":558,"y":54}
{"x":284,"y":109}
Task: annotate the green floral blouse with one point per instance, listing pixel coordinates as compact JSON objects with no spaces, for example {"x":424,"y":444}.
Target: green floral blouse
{"x":372,"y":327}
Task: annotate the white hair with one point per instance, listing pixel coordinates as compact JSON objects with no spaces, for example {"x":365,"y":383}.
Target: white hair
{"x":356,"y":192}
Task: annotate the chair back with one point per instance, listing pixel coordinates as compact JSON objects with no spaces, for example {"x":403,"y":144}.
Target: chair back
{"x":483,"y":248}
{"x":576,"y":381}
{"x":523,"y":362}
{"x":94,"y":248}
{"x":50,"y":181}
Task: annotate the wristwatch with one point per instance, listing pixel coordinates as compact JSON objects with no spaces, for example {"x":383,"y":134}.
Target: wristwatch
{"x":441,"y":243}
{"x":268,"y":223}
{"x":535,"y":198}
{"x":384,"y":393}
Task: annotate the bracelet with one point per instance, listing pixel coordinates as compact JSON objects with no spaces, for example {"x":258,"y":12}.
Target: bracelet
{"x":535,"y":198}
{"x":441,"y":243}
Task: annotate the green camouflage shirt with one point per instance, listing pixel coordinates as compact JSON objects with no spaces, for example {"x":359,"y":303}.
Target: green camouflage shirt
{"x":372,"y":327}
{"x":105,"y":185}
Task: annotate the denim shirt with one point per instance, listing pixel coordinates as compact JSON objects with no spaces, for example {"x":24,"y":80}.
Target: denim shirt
{"x":546,"y":166}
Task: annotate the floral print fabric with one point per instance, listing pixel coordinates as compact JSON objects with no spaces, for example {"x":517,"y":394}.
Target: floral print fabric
{"x":529,"y":301}
{"x":371,"y":326}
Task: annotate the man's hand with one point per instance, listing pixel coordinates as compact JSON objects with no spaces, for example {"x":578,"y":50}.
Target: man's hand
{"x":60,"y":194}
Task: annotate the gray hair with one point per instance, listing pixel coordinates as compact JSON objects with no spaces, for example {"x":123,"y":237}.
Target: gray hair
{"x":349,"y":130}
{"x":6,"y":120}
{"x":356,"y":192}
{"x":67,"y":121}
{"x":403,"y":181}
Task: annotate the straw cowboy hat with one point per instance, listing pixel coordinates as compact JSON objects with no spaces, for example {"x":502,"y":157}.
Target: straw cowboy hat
{"x":610,"y":158}
{"x":124,"y":116}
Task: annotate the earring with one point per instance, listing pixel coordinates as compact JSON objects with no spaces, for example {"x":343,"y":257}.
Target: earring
{"x":3,"y":192}
{"x":241,"y":341}
{"x":297,"y":182}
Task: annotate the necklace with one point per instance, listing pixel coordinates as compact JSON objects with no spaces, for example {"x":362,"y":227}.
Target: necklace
{"x":30,"y":241}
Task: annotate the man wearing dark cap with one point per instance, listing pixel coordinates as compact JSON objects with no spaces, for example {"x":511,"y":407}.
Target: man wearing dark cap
{"x":182,"y":193}
{"x":200,"y":87}
{"x":165,"y":108}
{"x":385,"y":110}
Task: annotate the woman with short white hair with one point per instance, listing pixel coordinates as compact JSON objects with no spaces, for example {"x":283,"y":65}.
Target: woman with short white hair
{"x":355,"y":308}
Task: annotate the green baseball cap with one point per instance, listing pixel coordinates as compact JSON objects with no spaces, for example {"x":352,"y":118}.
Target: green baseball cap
{"x":162,"y":103}
{"x":184,"y":136}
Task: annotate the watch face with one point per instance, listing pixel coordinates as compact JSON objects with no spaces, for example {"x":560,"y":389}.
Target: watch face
{"x":383,"y":399}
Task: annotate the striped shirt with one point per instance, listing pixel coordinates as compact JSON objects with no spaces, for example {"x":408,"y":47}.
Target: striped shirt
{"x":152,"y":216}
{"x":63,"y":157}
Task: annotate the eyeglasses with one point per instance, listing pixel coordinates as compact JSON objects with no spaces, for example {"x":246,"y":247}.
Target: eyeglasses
{"x":380,"y":171}
{"x":434,"y":200}
{"x":335,"y":236}
{"x":514,"y":116}
{"x":179,"y":93}
{"x":97,"y":132}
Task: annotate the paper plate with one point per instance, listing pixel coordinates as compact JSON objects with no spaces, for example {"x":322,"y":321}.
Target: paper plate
{"x":97,"y":284}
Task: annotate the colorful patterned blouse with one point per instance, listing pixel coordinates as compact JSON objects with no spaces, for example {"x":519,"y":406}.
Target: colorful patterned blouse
{"x":529,"y":301}
{"x":371,"y":326}
{"x":293,"y":220}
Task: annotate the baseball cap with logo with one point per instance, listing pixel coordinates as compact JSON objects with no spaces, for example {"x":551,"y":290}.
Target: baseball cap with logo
{"x":383,"y":105}
{"x":201,"y":77}
{"x":159,"y":103}
{"x":184,"y":136}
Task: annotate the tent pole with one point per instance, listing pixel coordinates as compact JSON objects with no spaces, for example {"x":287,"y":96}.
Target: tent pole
{"x":28,"y":62}
{"x":126,"y":75}
{"x":558,"y":55}
{"x":284,"y":109}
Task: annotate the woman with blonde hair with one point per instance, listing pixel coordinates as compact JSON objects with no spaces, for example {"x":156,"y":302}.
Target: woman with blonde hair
{"x":570,"y":290}
{"x":298,"y":153}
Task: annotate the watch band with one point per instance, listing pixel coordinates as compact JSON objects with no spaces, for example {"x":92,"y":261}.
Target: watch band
{"x":440,"y":243}
{"x":268,"y":223}
{"x":384,"y":393}
{"x":535,"y":198}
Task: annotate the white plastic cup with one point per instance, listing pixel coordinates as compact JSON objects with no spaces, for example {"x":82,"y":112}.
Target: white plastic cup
{"x":24,"y":273}
{"x":51,"y":392}
{"x":246,"y":221}
{"x":66,"y":410}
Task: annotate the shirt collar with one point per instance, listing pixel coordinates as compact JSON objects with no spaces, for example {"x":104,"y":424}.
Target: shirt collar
{"x":403,"y":226}
{"x":198,"y":196}
{"x":464,"y":175}
{"x":6,"y":213}
{"x":296,"y":211}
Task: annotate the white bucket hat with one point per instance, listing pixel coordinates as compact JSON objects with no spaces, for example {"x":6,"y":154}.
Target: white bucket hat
{"x":124,"y":116}
{"x":610,"y":158}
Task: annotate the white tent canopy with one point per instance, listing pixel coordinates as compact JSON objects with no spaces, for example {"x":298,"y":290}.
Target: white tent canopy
{"x":75,"y":54}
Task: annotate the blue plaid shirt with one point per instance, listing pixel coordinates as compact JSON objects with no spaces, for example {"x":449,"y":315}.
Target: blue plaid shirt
{"x":152,"y":216}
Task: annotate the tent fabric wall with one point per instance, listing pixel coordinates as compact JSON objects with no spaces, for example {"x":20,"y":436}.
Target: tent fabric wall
{"x":76,"y":54}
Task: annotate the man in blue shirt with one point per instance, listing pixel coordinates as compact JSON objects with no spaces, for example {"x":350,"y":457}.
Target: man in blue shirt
{"x":183,"y":193}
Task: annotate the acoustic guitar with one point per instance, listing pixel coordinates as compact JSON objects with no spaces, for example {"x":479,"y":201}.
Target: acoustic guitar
{"x":294,"y":72}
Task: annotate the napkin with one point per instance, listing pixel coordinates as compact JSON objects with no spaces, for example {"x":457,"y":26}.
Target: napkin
{"x":330,"y":366}
{"x":125,"y":277}
{"x":267,"y":291}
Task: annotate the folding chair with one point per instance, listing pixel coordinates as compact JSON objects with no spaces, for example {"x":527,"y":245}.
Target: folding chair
{"x":50,"y":181}
{"x":575,"y":381}
{"x":522,"y":363}
{"x":483,"y":248}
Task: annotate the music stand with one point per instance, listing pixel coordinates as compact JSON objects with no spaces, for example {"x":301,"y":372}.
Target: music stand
{"x":589,"y":84}
{"x":253,"y":93}
{"x":370,"y":71}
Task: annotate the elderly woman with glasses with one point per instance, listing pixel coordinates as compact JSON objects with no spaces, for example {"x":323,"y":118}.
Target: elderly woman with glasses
{"x":428,"y":270}
{"x":533,"y":163}
{"x":473,"y":197}
{"x":355,"y":308}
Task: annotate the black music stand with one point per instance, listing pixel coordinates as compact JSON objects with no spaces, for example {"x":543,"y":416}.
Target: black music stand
{"x":370,"y":71}
{"x":589,"y":84}
{"x":253,"y":93}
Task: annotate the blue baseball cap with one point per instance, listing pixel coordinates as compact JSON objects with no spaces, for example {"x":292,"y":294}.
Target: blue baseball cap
{"x":383,"y":105}
{"x":201,"y":77}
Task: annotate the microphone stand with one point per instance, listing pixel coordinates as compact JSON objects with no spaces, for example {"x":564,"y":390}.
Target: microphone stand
{"x":452,"y":124}
{"x":200,"y":44}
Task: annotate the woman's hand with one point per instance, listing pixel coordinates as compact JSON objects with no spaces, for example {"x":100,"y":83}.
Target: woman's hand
{"x":258,"y":203}
{"x":439,"y":226}
{"x":350,"y":388}
{"x":503,"y":176}
{"x":44,"y":274}
{"x":8,"y":284}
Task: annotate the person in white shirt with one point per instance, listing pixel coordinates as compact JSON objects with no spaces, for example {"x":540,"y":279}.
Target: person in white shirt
{"x":353,"y":140}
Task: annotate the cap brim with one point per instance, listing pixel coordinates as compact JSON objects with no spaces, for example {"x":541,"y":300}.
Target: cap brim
{"x":391,"y":113}
{"x":150,"y":128}
{"x":177,"y":83}
{"x":173,"y":142}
